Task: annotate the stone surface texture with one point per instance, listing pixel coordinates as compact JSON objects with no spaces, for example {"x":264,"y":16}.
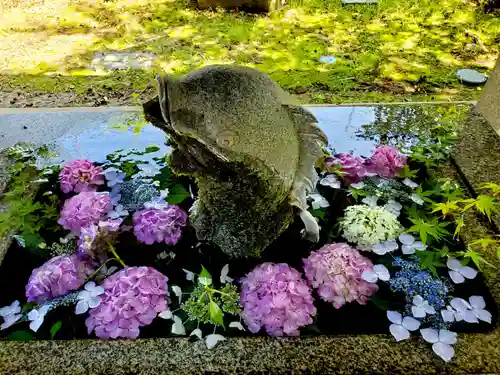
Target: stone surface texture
{"x":489,"y":104}
{"x":342,"y":354}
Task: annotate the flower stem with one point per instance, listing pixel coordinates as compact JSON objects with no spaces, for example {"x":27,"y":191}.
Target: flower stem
{"x":215,"y":291}
{"x":112,"y":249}
{"x":97,"y":270}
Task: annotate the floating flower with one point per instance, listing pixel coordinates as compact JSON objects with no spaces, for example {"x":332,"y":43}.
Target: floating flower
{"x":212,"y":340}
{"x":224,"y":278}
{"x":89,"y":298}
{"x":385,"y":247}
{"x":58,"y":276}
{"x":331,"y":181}
{"x":37,"y":316}
{"x":318,"y":201}
{"x":421,"y":307}
{"x":478,"y":308}
{"x":471,"y":311}
{"x":117,"y":212}
{"x":401,"y":327}
{"x":386,"y":162}
{"x":458,"y":272}
{"x":10,"y":314}
{"x":147,"y":170}
{"x":367,"y":226}
{"x":80,"y":175}
{"x":358,"y":185}
{"x":353,"y":166}
{"x":178,"y":326}
{"x":379,"y":272}
{"x":276,"y":298}
{"x":132,"y":298}
{"x":409,"y":244}
{"x":237,"y":325}
{"x":83,"y":210}
{"x":370,"y":201}
{"x":114,"y":176}
{"x":393,"y":207}
{"x":441,"y":342}
{"x":448,"y":314}
{"x":336,"y":271}
{"x":96,"y":237}
{"x":159,"y":202}
{"x":163,"y":225}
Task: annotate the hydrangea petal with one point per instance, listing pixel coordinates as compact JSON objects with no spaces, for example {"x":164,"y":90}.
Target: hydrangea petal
{"x":448,"y":316}
{"x":468,"y":272}
{"x":418,"y":311}
{"x":197,"y":332}
{"x":430,"y":335}
{"x":369,"y":276}
{"x":447,"y":337}
{"x":406,"y":239}
{"x":399,"y":332}
{"x":81,"y":307}
{"x":394,"y":317}
{"x":456,"y":277}
{"x":477,"y":302}
{"x":483,"y":315}
{"x":213,"y":339}
{"x":453,"y":264}
{"x":382,"y":272}
{"x":444,"y":351}
{"x":410,"y":323}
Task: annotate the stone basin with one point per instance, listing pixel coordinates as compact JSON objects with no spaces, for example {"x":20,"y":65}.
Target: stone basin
{"x":87,"y":133}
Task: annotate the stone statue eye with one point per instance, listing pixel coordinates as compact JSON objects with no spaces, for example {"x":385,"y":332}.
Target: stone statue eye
{"x":227,"y":139}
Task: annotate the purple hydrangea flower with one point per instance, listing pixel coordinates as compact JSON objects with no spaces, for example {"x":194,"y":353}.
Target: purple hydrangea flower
{"x":84,"y":209}
{"x":94,"y":237}
{"x":336,"y":270}
{"x":386,"y":161}
{"x":80,"y":175}
{"x":353,"y":166}
{"x":58,"y":276}
{"x":132,"y":298}
{"x":160,"y":225}
{"x":275,"y":297}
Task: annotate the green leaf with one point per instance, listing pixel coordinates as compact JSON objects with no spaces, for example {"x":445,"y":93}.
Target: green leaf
{"x":459,"y":225}
{"x":320,"y":212}
{"x":430,"y":260}
{"x":177,"y":194}
{"x":151,"y":149}
{"x":429,"y":227}
{"x":445,"y":208}
{"x":406,"y":172}
{"x":216,"y":313}
{"x":205,"y":277}
{"x":29,"y":306}
{"x":486,"y":204}
{"x":21,"y":336}
{"x":55,"y":328}
{"x":495,"y":188}
{"x":477,"y":258}
{"x":380,"y":303}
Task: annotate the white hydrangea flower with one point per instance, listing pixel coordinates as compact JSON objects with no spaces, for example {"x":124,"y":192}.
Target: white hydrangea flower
{"x":463,"y":311}
{"x":393,"y":207}
{"x":417,"y":199}
{"x":224,"y":278}
{"x":441,"y":341}
{"x":409,"y":244}
{"x":421,"y":307}
{"x":410,"y":183}
{"x":36,"y":316}
{"x":385,"y":247}
{"x":237,"y":325}
{"x":358,"y":185}
{"x":458,"y":272}
{"x":10,"y":314}
{"x":401,"y":327}
{"x":380,"y":272}
{"x":368,"y":226}
{"x":478,"y":308}
{"x":471,"y":311}
{"x":213,"y":339}
{"x":331,"y":181}
{"x":370,"y":201}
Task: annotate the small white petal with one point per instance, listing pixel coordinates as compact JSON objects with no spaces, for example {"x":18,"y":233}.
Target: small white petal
{"x":468,"y":272}
{"x":448,"y":315}
{"x":197,"y":332}
{"x":98,"y":290}
{"x":407,"y":250}
{"x":93,"y":302}
{"x":454,"y":264}
{"x":456,"y":277}
{"x":33,"y":314}
{"x":477,"y":302}
{"x":419,"y":246}
{"x":369,"y":276}
{"x":237,"y":325}
{"x":445,"y":351}
{"x":399,"y":332}
{"x":411,"y":324}
{"x":213,"y":339}
{"x":418,"y":301}
{"x":178,"y":327}
{"x":379,"y":249}
{"x":358,"y":185}
{"x":382,"y":272}
{"x":83,"y":295}
{"x":223,"y":273}
{"x":460,"y":304}
{"x":90,"y":286}
{"x":447,"y":337}
{"x":166,"y":314}
{"x":394,"y":317}
{"x":189,"y":275}
{"x":430,"y":335}
{"x":418,"y":311}
{"x":177,"y":291}
{"x":429,"y":309}
{"x":9,"y":320}
{"x":35,"y":324}
{"x":370,"y":201}
{"x":391,"y":245}
{"x":81,"y":307}
{"x":469,"y":316}
{"x":410,"y":183}
{"x":417,"y":199}
{"x":483,"y":315}
{"x":406,"y":239}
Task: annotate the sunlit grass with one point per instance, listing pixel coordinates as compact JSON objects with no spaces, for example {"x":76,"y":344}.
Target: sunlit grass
{"x":391,"y":50}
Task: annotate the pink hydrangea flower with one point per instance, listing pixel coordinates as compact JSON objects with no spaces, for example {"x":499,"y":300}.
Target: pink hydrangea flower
{"x":84,"y":209}
{"x":80,"y":175}
{"x":275,"y":297}
{"x":386,"y":161}
{"x":160,"y":225}
{"x":132,"y":298}
{"x":58,"y":276}
{"x":335,"y":271}
{"x":353,"y":166}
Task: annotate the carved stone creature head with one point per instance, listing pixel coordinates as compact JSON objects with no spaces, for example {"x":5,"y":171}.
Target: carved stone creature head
{"x":251,"y":151}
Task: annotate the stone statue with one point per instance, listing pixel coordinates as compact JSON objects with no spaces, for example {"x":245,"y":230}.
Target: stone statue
{"x":250,"y":150}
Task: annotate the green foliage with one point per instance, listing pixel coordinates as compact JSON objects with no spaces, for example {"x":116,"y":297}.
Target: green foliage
{"x":21,"y":336}
{"x":55,"y":328}
{"x":207,"y":304}
{"x":177,"y":193}
{"x":426,"y":227}
{"x":430,"y":260}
